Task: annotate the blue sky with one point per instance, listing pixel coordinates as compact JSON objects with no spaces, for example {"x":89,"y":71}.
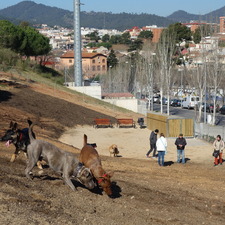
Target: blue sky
{"x":158,"y":7}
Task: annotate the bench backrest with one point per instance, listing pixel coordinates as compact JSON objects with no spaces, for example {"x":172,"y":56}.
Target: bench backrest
{"x":102,"y":121}
{"x":125,"y":121}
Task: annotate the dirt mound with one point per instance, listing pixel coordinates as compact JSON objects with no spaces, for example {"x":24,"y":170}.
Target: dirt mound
{"x":143,"y":192}
{"x":22,"y":98}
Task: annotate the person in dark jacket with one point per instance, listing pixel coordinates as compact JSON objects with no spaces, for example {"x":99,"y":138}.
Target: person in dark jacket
{"x":180,"y":143}
{"x":153,"y":139}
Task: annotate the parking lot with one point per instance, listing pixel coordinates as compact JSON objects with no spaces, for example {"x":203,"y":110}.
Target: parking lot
{"x":191,"y":113}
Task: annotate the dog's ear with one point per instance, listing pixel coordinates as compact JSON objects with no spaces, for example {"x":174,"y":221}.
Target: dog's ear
{"x":29,"y":122}
{"x":14,"y":126}
{"x":11,"y":124}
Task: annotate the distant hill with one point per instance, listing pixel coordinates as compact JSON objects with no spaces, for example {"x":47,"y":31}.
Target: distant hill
{"x":41,"y":14}
{"x":183,"y":16}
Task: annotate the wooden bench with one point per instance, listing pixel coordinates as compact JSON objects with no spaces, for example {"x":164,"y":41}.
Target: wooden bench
{"x":125,"y":122}
{"x":102,"y":123}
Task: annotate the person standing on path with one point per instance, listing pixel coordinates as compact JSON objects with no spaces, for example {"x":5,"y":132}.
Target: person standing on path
{"x":161,"y":145}
{"x":180,"y":143}
{"x":153,"y":139}
{"x":218,"y":146}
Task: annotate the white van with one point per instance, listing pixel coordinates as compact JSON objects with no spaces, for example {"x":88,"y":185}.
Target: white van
{"x":190,"y":102}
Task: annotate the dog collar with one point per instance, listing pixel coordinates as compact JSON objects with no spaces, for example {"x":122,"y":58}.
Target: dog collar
{"x":21,"y":136}
{"x":101,"y":179}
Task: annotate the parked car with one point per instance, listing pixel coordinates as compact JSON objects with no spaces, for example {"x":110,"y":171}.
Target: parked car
{"x":212,"y":107}
{"x":201,"y":106}
{"x":176,"y":103}
{"x":222,"y":109}
{"x":156,"y":99}
{"x":190,"y":102}
{"x":209,"y":107}
{"x":164,"y":101}
{"x":171,"y":101}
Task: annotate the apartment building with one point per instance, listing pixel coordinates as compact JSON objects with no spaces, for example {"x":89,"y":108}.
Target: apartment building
{"x":93,"y":64}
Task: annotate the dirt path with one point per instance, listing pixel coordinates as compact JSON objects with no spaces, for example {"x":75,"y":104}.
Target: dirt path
{"x":134,"y":143}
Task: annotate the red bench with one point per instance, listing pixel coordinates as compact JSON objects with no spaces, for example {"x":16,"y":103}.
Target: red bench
{"x":102,"y":123}
{"x":125,"y":122}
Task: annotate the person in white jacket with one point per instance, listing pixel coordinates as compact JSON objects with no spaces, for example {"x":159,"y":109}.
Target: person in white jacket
{"x":161,"y":146}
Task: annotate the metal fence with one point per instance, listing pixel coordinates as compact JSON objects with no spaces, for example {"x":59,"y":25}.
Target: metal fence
{"x":209,"y":132}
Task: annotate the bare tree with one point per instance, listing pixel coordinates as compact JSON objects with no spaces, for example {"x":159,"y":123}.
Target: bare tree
{"x":216,"y":73}
{"x":198,"y":79}
{"x":165,"y":52}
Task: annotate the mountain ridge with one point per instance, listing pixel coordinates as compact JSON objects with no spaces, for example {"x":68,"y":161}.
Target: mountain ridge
{"x":38,"y":14}
{"x":183,"y":16}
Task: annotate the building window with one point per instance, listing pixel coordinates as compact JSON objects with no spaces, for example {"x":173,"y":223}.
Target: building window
{"x":93,"y":61}
{"x":70,"y":61}
{"x":93,"y":68}
{"x":99,"y":68}
{"x":103,"y":61}
{"x":103,"y":67}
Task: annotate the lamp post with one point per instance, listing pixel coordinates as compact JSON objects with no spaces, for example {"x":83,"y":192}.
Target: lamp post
{"x":152,"y":84}
{"x":205,"y":93}
{"x":77,"y":45}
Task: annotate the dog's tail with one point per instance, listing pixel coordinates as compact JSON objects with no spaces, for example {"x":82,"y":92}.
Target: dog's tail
{"x":85,"y":139}
{"x":30,"y":132}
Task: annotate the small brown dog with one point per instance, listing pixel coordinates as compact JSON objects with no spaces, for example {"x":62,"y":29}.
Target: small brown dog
{"x":113,"y":150}
{"x":90,"y":158}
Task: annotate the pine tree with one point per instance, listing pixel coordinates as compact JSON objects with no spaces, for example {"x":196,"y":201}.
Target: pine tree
{"x":112,"y":60}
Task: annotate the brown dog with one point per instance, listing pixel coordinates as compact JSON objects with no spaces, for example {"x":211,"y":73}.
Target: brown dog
{"x":90,"y":158}
{"x":113,"y":150}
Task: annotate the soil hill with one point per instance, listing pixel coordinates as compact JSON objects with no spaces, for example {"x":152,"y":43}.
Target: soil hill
{"x":144,"y":193}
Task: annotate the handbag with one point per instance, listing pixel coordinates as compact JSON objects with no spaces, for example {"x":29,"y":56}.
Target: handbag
{"x":215,"y":153}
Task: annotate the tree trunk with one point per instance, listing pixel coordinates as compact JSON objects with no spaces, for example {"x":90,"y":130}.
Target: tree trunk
{"x":214,"y":108}
{"x":168,"y":104}
{"x":161,"y":103}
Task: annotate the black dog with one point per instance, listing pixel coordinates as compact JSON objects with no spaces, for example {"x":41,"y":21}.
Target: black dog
{"x":19,"y":138}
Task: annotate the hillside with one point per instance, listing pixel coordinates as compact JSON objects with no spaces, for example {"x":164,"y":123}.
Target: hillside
{"x":183,"y":16}
{"x":41,"y":14}
{"x":143,"y":192}
{"x":55,"y":104}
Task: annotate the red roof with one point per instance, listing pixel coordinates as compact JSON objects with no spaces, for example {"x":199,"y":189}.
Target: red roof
{"x":184,"y":51}
{"x":117,"y":95}
{"x":70,"y":54}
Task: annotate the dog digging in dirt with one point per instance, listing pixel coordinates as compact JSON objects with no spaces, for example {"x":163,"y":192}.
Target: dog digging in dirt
{"x":64,"y":163}
{"x":19,"y":138}
{"x":90,"y":158}
{"x":113,"y":150}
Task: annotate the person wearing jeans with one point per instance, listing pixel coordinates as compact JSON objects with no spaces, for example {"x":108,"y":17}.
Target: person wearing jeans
{"x":218,"y":146}
{"x":180,"y":143}
{"x":161,"y":146}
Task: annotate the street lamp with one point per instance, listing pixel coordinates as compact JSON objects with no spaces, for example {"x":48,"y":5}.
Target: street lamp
{"x":205,"y":93}
{"x":151,"y":81}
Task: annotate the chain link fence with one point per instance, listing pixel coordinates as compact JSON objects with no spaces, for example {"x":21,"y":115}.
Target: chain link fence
{"x":209,"y":132}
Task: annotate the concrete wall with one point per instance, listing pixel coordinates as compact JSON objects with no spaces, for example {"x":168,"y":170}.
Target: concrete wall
{"x":93,"y":91}
{"x":130,"y":104}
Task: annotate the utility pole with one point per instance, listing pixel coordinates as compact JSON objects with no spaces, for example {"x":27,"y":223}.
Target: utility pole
{"x":77,"y":45}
